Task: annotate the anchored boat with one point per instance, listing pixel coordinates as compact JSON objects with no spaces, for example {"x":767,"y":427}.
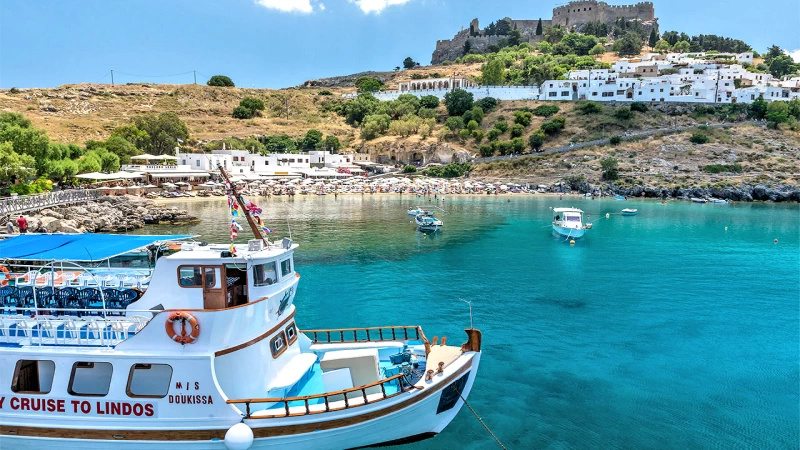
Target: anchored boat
{"x":568,"y":222}
{"x":428,"y":223}
{"x":629,"y":212}
{"x":208,"y":355}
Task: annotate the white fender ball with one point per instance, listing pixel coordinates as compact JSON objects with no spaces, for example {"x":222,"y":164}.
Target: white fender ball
{"x":239,"y":437}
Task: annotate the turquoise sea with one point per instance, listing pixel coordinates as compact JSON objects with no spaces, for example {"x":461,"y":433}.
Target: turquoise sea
{"x":678,"y":328}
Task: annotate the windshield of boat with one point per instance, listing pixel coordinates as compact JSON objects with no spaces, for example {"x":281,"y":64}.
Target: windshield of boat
{"x":573,"y":218}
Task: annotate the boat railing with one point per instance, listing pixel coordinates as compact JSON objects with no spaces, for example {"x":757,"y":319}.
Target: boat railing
{"x":367,"y":334}
{"x":303,"y":406}
{"x":70,"y":326}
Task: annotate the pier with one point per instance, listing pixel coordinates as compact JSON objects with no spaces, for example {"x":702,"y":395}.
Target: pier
{"x":10,"y":206}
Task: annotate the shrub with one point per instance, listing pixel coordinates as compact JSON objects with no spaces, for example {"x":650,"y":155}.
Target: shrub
{"x":698,"y":138}
{"x":623,"y":113}
{"x":368,"y":84}
{"x":312,"y":139}
{"x":253,"y":104}
{"x":409,"y":168}
{"x":426,"y":113}
{"x":472,"y":125}
{"x":477,"y":135}
{"x":501,"y":125}
{"x":486,"y":150}
{"x":493,"y":134}
{"x":545,"y":110}
{"x":589,"y":108}
{"x":536,"y":140}
{"x":523,"y":118}
{"x":220,"y":80}
{"x":518,"y":145}
{"x":464,"y":134}
{"x":477,"y":114}
{"x":242,"y":112}
{"x":554,"y":125}
{"x":458,"y":101}
{"x":503,"y":147}
{"x":719,"y":168}
{"x":374,"y":125}
{"x":517,"y":130}
{"x":429,"y":101}
{"x":487,"y":104}
{"x":325,"y":93}
{"x":615,"y":140}
{"x":610,"y":168}
{"x":638,"y":106}
{"x":454,"y":124}
{"x":13,"y":90}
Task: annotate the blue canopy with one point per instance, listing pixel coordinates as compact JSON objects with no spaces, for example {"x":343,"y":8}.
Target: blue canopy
{"x":75,"y":247}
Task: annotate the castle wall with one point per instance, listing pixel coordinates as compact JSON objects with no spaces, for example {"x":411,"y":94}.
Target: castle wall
{"x":580,"y":12}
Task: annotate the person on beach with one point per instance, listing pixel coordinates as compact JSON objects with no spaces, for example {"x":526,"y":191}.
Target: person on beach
{"x":22,"y":223}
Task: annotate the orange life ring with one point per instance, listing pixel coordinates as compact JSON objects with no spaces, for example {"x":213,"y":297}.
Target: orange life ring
{"x":183,"y":338}
{"x":4,"y":271}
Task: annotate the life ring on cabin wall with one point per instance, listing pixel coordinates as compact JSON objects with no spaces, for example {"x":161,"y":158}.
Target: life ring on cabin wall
{"x":183,"y":337}
{"x":4,"y":271}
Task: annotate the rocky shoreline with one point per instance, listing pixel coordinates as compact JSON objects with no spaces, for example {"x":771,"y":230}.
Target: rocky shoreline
{"x":106,"y":215}
{"x":741,"y":193}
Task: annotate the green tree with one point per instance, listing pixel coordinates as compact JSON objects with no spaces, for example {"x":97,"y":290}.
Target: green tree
{"x":122,"y":148}
{"x":638,"y":106}
{"x":429,"y":101}
{"x":517,"y":130}
{"x":331,"y":144}
{"x":623,"y":113}
{"x":493,"y":72}
{"x":653,"y":38}
{"x":523,"y":118}
{"x":662,"y":46}
{"x":629,"y":45}
{"x":253,"y":104}
{"x":375,"y":125}
{"x":493,"y":134}
{"x":220,"y":80}
{"x":597,"y":50}
{"x":368,"y":84}
{"x":278,"y":143}
{"x":778,"y":112}
{"x":312,"y":139}
{"x":163,"y":131}
{"x":544,"y":47}
{"x":681,"y":47}
{"x":409,"y":169}
{"x":487,"y":104}
{"x":589,"y":108}
{"x":132,"y":134}
{"x":553,"y":35}
{"x":539,"y":27}
{"x":698,"y":138}
{"x":773,"y":52}
{"x":610,"y":168}
{"x":458,"y":101}
{"x":501,"y":125}
{"x":467,"y":47}
{"x":782,"y":65}
{"x":757,"y":109}
{"x":454,"y":124}
{"x":477,"y":114}
{"x":472,"y":125}
{"x":358,"y":108}
{"x":13,"y":165}
{"x":242,"y":112}
{"x":409,"y":63}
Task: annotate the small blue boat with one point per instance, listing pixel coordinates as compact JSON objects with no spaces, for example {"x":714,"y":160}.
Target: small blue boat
{"x":619,"y":197}
{"x":568,"y":222}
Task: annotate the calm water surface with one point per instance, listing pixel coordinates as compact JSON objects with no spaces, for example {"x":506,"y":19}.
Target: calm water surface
{"x":663,"y":330}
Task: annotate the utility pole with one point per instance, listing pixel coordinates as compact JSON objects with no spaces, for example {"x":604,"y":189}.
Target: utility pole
{"x":195,"y":76}
{"x":112,"y":77}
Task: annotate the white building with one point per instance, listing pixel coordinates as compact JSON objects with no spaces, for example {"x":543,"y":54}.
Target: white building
{"x":244,"y":163}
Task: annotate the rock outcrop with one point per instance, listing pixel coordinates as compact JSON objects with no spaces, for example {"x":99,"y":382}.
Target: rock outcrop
{"x":106,"y":215}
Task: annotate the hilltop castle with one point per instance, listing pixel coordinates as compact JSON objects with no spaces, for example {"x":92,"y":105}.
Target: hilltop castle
{"x":573,"y":16}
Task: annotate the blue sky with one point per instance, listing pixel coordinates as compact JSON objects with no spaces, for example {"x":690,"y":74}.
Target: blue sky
{"x":279,"y":43}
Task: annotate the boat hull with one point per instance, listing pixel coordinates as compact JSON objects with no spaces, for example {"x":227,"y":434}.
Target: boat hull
{"x":411,"y":417}
{"x":572,"y":233}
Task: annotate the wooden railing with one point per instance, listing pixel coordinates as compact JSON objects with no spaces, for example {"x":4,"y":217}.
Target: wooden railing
{"x":369,"y":334}
{"x":24,"y":203}
{"x":404,"y":386}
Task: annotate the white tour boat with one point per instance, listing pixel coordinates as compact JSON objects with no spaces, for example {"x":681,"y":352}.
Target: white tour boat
{"x":417,"y":211}
{"x":428,"y":223}
{"x":568,"y":222}
{"x":629,"y":212}
{"x":210,"y":356}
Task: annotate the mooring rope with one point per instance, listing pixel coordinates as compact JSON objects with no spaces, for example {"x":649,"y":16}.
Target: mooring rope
{"x":481,"y":421}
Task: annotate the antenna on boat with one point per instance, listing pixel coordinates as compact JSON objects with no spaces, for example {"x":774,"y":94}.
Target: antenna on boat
{"x":470,"y":311}
{"x":240,"y":201}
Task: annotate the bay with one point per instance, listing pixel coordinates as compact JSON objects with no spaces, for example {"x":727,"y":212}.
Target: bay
{"x":675,"y":328}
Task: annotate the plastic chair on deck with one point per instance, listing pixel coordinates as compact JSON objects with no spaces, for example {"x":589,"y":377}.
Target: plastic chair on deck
{"x":5,"y":298}
{"x":112,"y":300}
{"x":46,"y":299}
{"x":27,"y":279}
{"x":89,"y":298}
{"x":111,"y":281}
{"x":67,"y":298}
{"x":89,"y":280}
{"x":23,"y":297}
{"x":127,"y":281}
{"x":127,"y":296}
{"x":74,"y":280}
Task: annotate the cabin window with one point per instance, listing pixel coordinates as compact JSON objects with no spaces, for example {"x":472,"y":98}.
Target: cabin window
{"x":33,"y":377}
{"x":149,"y":380}
{"x":286,"y":267}
{"x":291,"y":333}
{"x":190,"y":276}
{"x":212,"y":278}
{"x":90,"y":379}
{"x":264,"y":274}
{"x":278,"y":344}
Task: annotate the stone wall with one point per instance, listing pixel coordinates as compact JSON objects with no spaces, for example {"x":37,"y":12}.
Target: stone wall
{"x":576,"y":14}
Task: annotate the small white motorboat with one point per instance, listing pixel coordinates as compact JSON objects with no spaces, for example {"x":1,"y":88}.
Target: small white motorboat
{"x":428,"y":223}
{"x":717,"y":200}
{"x":416,"y":211}
{"x":568,"y":222}
{"x":698,"y":200}
{"x":629,"y":212}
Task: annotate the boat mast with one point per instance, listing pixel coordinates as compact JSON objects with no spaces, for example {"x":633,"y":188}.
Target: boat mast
{"x":238,"y":197}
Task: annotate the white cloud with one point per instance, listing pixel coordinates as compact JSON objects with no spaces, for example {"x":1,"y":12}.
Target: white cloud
{"x":795,"y":55}
{"x":376,"y":6}
{"x":322,"y":7}
{"x":301,"y":6}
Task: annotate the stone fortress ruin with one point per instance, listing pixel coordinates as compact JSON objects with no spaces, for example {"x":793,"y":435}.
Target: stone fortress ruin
{"x":572,"y":16}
